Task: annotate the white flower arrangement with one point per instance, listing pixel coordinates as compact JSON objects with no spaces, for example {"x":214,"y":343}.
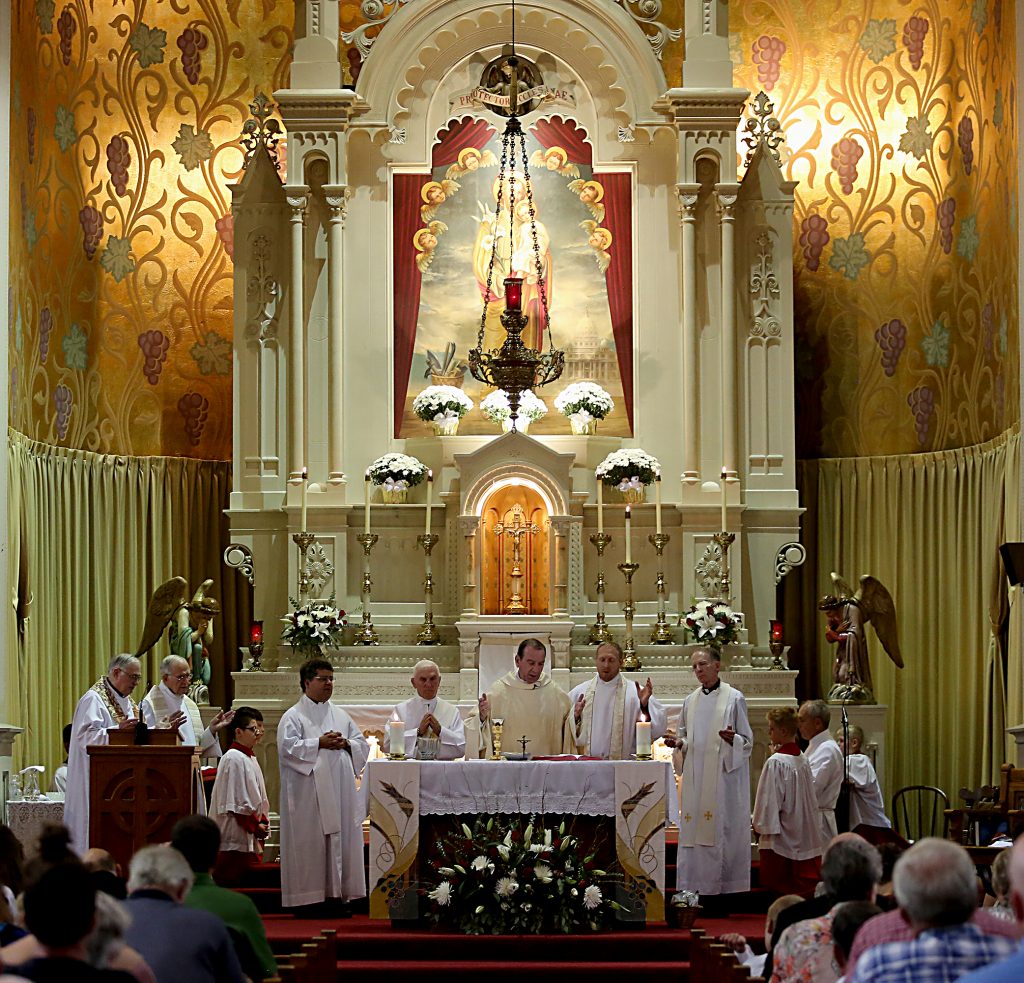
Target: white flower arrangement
{"x":496,"y":408}
{"x":712,"y":623}
{"x":397,"y":471}
{"x":628,"y":468}
{"x":584,"y":397}
{"x":439,"y":404}
{"x":313,"y":623}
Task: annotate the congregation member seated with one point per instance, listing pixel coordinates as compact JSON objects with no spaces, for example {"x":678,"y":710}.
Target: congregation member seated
{"x":179,"y":943}
{"x":12,"y":857}
{"x":849,"y":916}
{"x":739,"y":945}
{"x":106,"y":874}
{"x":197,"y":839}
{"x":433,"y":727}
{"x":1002,"y":906}
{"x":1009,"y":970}
{"x":936,"y":889}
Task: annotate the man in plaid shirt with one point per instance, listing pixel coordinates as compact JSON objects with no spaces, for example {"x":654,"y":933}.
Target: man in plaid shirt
{"x":935,"y":885}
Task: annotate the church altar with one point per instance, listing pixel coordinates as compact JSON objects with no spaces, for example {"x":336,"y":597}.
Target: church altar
{"x":638,"y":795}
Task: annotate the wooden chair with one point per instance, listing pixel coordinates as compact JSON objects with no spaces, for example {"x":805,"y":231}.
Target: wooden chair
{"x":919,"y":811}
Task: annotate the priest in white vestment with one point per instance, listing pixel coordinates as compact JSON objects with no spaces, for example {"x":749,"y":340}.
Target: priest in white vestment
{"x":714,"y":821}
{"x":239,"y":804}
{"x":433,"y":727}
{"x":867,"y":808}
{"x":168,"y":707}
{"x":105,"y":705}
{"x":786,"y":813}
{"x":529,"y":705}
{"x":606,"y":709}
{"x":321,"y":751}
{"x":826,"y":761}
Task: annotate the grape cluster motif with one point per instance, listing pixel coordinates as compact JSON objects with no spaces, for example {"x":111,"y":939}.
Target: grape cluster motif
{"x":30,"y":127}
{"x":922,"y":404}
{"x":194,"y":408}
{"x":45,"y":327}
{"x":914,"y":32}
{"x":66,"y":28}
{"x":947,"y":216}
{"x":891,"y":338}
{"x":965,"y":137}
{"x":813,"y":239}
{"x":62,"y":400}
{"x":191,"y":41}
{"x":766,"y":53}
{"x":845,"y":155}
{"x":119,"y":158}
{"x":92,"y":230}
{"x":154,"y":345}
{"x":225,"y":226}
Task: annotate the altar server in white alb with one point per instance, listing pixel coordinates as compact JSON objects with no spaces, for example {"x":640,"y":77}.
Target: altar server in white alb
{"x":433,"y":727}
{"x":320,"y":751}
{"x":105,"y":705}
{"x":825,"y":759}
{"x":607,"y":708}
{"x":714,"y":833}
{"x":867,"y":807}
{"x":167,"y":707}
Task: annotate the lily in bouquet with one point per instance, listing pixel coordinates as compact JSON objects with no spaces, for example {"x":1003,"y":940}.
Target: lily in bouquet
{"x":629,"y":470}
{"x":443,"y":406}
{"x":313,"y":624}
{"x":584,"y":403}
{"x":496,"y":408}
{"x":518,"y":875}
{"x":712,"y":623}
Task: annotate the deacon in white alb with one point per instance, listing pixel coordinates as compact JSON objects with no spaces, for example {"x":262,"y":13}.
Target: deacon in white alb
{"x":826,"y":761}
{"x":430,"y":722}
{"x":606,"y":708}
{"x":320,"y":751}
{"x":106,"y":704}
{"x":714,"y":833}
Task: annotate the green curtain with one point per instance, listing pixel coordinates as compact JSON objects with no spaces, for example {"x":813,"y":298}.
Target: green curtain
{"x":91,"y":536}
{"x":929,"y":527}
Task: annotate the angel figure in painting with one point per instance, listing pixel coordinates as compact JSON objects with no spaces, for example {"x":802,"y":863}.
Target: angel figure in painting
{"x":470,"y":159}
{"x":555,"y":159}
{"x":599,"y":240}
{"x":434,"y":194}
{"x":590,"y":193}
{"x":426,"y":240}
{"x":191,"y":629}
{"x":848,"y":613}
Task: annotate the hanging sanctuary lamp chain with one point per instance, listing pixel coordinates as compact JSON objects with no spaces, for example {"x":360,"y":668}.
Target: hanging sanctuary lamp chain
{"x":515,"y":367}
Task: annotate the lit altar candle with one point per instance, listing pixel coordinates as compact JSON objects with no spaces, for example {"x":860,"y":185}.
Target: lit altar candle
{"x":305,"y":479}
{"x":643,"y":738}
{"x":600,"y":507}
{"x":725,"y":515}
{"x":396,"y":736}
{"x":430,"y":495}
{"x":366,"y":503}
{"x":629,"y":549}
{"x":657,"y":503}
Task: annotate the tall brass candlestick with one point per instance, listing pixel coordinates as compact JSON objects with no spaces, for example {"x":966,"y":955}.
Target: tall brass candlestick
{"x":428,"y":634}
{"x":661,"y":634}
{"x":724,"y":540}
{"x":630,"y":661}
{"x":599,"y":630}
{"x":303,"y":540}
{"x":366,"y":635}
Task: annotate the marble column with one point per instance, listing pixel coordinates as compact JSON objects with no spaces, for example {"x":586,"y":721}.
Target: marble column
{"x":687,"y":195}
{"x":469,"y":526}
{"x":337,"y":196}
{"x":297,"y":197}
{"x":726,"y":194}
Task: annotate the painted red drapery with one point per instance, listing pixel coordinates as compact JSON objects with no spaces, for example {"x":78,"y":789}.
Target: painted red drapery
{"x":618,"y":220}
{"x":455,"y":138}
{"x":558,"y":132}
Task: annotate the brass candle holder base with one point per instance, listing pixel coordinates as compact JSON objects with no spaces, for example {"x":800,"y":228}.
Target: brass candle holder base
{"x":599,"y":630}
{"x":630,"y":661}
{"x":661,"y":634}
{"x":366,"y":634}
{"x":644,"y":757}
{"x":303,"y":540}
{"x":428,"y":635}
{"x":776,"y":649}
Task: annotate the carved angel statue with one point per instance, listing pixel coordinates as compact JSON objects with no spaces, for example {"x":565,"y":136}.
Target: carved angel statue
{"x":847,"y":613}
{"x":191,"y":629}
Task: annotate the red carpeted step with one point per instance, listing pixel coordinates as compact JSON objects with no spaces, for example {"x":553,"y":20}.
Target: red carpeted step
{"x":652,"y":971}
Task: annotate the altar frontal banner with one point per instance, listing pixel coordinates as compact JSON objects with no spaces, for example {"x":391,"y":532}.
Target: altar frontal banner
{"x":394,"y":796}
{"x":640,"y":837}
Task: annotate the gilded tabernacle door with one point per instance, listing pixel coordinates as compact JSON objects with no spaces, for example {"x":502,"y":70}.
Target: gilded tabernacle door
{"x":515,"y":555}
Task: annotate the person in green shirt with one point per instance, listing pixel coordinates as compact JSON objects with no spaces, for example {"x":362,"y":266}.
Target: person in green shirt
{"x":197,"y":838}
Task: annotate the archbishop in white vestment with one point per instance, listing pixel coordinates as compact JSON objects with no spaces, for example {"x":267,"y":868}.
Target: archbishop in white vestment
{"x":106,"y":704}
{"x":714,"y":821}
{"x":320,"y":751}
{"x":610,"y":706}
{"x":428,"y":718}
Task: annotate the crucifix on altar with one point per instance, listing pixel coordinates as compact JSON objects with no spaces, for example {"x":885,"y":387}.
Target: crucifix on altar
{"x":515,"y":531}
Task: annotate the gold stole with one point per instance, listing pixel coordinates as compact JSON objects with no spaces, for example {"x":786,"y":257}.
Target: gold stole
{"x":103,"y":687}
{"x":703,"y":833}
{"x":618,"y":711}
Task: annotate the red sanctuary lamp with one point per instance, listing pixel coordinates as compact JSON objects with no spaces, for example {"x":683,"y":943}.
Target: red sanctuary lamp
{"x":776,"y":631}
{"x":256,"y":645}
{"x":514,"y":293}
{"x":775,"y":644}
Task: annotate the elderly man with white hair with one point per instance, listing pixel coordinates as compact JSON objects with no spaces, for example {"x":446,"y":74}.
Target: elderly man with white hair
{"x":433,"y":727}
{"x":826,"y":761}
{"x":178,"y":943}
{"x":936,"y":888}
{"x":106,"y":704}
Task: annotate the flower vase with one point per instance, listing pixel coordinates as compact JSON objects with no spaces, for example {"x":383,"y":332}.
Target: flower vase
{"x":583,"y":428}
{"x":680,"y":916}
{"x":449,"y":428}
{"x":634,"y":496}
{"x":522,"y":424}
{"x":394,"y":496}
{"x":305,"y":652}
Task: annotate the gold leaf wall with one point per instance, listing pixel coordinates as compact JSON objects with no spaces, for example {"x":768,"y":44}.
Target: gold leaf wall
{"x":901,"y":129}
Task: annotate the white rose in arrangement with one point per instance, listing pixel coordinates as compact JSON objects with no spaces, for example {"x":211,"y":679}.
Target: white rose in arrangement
{"x":496,"y":407}
{"x":584,"y":397}
{"x":396,"y":471}
{"x":443,"y":401}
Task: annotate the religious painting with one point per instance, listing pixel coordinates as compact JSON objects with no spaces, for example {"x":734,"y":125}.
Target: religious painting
{"x":452,"y":254}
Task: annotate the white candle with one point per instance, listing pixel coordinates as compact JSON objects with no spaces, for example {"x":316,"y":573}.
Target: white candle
{"x":366,"y":503}
{"x":600,"y":506}
{"x":657,"y":503}
{"x":396,"y":736}
{"x":629,"y":548}
{"x":430,"y":495}
{"x":643,"y":738}
{"x":725,"y":514}
{"x":305,"y":481}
